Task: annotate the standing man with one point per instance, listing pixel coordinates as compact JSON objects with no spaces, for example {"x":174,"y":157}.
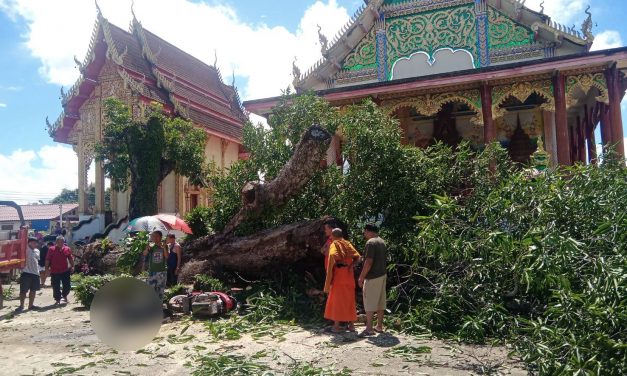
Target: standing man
{"x":372,"y":279}
{"x":59,"y":265}
{"x":157,"y":255}
{"x":174,"y":259}
{"x":43,"y":253}
{"x":29,"y":280}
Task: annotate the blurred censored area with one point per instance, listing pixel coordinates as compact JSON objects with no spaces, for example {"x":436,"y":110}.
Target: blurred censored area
{"x":126,"y":314}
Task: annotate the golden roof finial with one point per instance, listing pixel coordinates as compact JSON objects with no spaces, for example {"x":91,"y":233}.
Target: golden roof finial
{"x":133,"y":10}
{"x":98,"y":8}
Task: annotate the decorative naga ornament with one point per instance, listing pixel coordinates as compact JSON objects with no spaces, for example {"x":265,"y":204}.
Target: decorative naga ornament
{"x":324,"y":42}
{"x":295,"y":73}
{"x":542,"y":7}
{"x":518,"y":7}
{"x":586,"y":27}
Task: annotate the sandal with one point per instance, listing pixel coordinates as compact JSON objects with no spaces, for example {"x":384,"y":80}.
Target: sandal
{"x":379,"y":330}
{"x":365,"y":333}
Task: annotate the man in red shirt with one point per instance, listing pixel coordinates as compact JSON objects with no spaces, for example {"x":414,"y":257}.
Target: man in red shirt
{"x":59,"y":265}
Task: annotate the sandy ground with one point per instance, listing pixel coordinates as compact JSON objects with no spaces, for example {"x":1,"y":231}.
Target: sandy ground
{"x":60,"y":340}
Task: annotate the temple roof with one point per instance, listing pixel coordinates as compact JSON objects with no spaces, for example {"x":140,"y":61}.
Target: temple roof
{"x":357,"y":40}
{"x":155,"y":70}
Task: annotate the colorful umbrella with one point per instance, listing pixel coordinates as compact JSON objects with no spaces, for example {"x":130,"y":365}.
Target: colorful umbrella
{"x":147,"y":224}
{"x":174,"y":222}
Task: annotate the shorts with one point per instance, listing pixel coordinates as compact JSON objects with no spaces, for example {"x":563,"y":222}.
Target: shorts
{"x":374,"y":294}
{"x":29,"y":282}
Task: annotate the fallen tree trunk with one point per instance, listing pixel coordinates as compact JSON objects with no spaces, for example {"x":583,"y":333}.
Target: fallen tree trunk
{"x":258,"y":254}
{"x":271,"y":249}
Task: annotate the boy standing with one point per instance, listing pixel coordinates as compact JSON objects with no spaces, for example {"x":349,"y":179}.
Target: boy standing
{"x":29,"y":280}
{"x":157,"y":257}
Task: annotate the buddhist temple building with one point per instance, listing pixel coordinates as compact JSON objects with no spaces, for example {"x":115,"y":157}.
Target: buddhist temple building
{"x":476,"y":70}
{"x":139,"y":68}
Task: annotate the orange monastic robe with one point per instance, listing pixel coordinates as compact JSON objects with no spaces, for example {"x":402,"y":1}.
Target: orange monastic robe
{"x":340,"y":282}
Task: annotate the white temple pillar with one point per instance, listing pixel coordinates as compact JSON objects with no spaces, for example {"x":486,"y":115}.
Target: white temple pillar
{"x":82,"y":182}
{"x":99,"y":207}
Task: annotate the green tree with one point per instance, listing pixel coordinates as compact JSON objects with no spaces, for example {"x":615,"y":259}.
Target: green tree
{"x":139,"y":153}
{"x":70,"y":196}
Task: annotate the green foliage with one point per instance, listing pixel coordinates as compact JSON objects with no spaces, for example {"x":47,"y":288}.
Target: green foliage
{"x":478,"y":247}
{"x":270,"y":148}
{"x":70,"y":196}
{"x":227,"y":365}
{"x":138,"y":153}
{"x":205,"y":283}
{"x":174,"y":291}
{"x":7,"y":294}
{"x":541,"y":260}
{"x":86,"y":287}
{"x":309,"y":369}
{"x":198,"y":220}
{"x":134,"y":245}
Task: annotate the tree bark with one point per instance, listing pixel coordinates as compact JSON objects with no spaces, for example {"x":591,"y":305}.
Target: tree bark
{"x":259,"y":254}
{"x":272,"y":249}
{"x":258,"y":197}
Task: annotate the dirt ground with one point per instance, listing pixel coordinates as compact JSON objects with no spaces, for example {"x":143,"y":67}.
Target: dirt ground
{"x":60,"y":340}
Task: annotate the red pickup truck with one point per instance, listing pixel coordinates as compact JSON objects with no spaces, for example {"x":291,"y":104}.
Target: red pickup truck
{"x":13,"y":252}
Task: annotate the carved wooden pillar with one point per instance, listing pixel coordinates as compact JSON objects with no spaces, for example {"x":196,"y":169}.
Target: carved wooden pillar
{"x":489,"y":128}
{"x":588,"y":126}
{"x":615,"y":93}
{"x":606,"y":127}
{"x":561,"y":121}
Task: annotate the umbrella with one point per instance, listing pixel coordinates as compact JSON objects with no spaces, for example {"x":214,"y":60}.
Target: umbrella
{"x":147,"y":224}
{"x":174,"y":222}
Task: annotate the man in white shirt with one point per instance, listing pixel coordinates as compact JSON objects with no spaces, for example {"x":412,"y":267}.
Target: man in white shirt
{"x":29,"y":280}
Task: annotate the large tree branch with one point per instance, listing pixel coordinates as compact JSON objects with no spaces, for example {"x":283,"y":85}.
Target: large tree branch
{"x":257,"y":197}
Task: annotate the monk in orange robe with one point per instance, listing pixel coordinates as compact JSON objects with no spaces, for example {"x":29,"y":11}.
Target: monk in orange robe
{"x":340,"y":282}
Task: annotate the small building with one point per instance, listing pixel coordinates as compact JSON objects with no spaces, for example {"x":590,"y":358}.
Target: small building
{"x":41,"y":217}
{"x":480,"y":71}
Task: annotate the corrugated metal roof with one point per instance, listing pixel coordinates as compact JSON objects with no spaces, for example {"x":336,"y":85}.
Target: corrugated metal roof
{"x":34,"y":212}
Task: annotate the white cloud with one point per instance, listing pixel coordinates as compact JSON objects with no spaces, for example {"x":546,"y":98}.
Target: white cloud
{"x":11,"y":88}
{"x":3,"y":105}
{"x":38,"y":175}
{"x":564,"y":11}
{"x":261,"y":54}
{"x":607,"y":39}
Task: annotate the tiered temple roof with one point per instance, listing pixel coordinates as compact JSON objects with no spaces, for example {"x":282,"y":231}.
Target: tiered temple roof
{"x":154,"y":70}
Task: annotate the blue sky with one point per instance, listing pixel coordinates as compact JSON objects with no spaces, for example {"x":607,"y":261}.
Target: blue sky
{"x":256,"y":40}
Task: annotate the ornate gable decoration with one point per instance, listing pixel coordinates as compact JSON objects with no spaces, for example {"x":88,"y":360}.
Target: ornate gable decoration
{"x":384,"y":33}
